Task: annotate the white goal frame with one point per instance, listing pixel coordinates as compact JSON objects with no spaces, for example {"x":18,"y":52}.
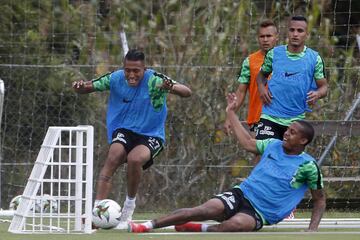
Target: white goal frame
{"x":64,"y":171}
{"x":2,"y":95}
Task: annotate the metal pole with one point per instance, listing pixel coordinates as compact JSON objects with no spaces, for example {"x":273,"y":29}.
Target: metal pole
{"x":2,"y":92}
{"x":333,"y":139}
{"x":124,"y":42}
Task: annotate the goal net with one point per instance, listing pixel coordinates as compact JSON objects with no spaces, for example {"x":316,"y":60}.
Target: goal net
{"x":46,"y":45}
{"x":58,"y":194}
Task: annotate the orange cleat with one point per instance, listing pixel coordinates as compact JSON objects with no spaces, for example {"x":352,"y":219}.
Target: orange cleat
{"x":291,"y":215}
{"x":137,"y":228}
{"x":188,"y":227}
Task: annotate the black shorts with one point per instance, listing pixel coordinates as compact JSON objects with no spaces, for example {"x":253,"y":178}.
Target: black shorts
{"x":235,"y":202}
{"x":267,"y":129}
{"x":253,"y":127}
{"x":130,"y":139}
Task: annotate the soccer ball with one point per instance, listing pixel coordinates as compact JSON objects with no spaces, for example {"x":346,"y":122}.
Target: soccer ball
{"x":106,"y":214}
{"x":47,"y":202}
{"x":14,"y":204}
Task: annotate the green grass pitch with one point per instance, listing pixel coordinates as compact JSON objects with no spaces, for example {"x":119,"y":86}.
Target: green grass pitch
{"x":278,"y":234}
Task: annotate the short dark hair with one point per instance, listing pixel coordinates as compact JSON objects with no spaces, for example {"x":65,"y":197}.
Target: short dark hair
{"x":298,"y":18}
{"x":307,"y":130}
{"x":267,"y":23}
{"x":135,"y":55}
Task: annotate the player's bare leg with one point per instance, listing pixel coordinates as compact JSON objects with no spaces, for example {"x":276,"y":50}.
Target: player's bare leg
{"x":135,"y":160}
{"x":241,"y":222}
{"x":210,"y":210}
{"x":116,"y":157}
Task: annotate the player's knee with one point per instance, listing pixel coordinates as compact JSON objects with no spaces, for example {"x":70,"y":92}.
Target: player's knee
{"x":136,"y":160}
{"x":187,"y":213}
{"x":112,"y":161}
{"x":194,"y":213}
{"x":240,"y":225}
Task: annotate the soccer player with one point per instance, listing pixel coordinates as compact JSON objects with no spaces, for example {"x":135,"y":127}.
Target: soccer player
{"x":272,"y":190}
{"x":136,"y":118}
{"x":267,"y":37}
{"x":297,"y":81}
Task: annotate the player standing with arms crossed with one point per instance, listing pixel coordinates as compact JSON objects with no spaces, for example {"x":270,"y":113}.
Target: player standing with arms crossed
{"x":135,"y":119}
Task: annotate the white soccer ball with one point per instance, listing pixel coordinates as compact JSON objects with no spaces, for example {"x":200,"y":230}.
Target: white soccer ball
{"x":15,"y":202}
{"x":106,"y":214}
{"x":47,"y":202}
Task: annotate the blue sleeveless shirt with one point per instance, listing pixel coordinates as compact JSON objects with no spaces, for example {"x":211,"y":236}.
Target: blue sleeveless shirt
{"x":290,"y":82}
{"x":269,"y":188}
{"x":131,"y":107}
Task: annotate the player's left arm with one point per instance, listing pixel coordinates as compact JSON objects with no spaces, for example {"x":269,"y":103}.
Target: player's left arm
{"x":173,"y":87}
{"x":180,"y":90}
{"x":321,"y":82}
{"x":315,"y":182}
{"x":319,"y":205}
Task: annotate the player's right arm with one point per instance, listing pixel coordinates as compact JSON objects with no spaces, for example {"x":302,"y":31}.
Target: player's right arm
{"x":244,"y":80}
{"x":100,"y":84}
{"x":82,"y":86}
{"x":244,"y":138}
{"x":261,"y":79}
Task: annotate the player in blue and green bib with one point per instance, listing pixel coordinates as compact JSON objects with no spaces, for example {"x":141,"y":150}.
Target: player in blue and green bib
{"x":273,"y":189}
{"x":297,"y":82}
{"x":135,"y":121}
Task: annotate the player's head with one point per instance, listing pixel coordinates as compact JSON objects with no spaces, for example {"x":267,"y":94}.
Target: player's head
{"x":297,"y":136}
{"x":267,"y":35}
{"x":134,"y":67}
{"x":307,"y":131}
{"x":297,"y":31}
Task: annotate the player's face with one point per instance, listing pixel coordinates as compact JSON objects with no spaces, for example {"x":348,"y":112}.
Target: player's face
{"x":293,"y":138}
{"x":134,"y":72}
{"x":267,"y":38}
{"x":297,"y":33}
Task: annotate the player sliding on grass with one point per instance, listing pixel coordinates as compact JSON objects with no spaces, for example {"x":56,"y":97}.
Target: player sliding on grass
{"x":272,"y":190}
{"x":135,"y":122}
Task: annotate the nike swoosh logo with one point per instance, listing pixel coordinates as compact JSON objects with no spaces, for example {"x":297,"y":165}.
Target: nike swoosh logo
{"x":271,"y":157}
{"x":288,"y":74}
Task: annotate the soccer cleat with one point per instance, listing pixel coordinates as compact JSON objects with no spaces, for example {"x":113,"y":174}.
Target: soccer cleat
{"x":291,"y":215}
{"x":122,"y":226}
{"x":126,"y":216}
{"x":127,"y":212}
{"x":137,"y":228}
{"x":188,"y":227}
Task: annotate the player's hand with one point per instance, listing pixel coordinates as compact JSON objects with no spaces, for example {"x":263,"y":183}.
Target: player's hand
{"x":78,"y":84}
{"x":231,"y":102}
{"x":312,"y":96}
{"x":167,"y":84}
{"x":265,"y":95}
